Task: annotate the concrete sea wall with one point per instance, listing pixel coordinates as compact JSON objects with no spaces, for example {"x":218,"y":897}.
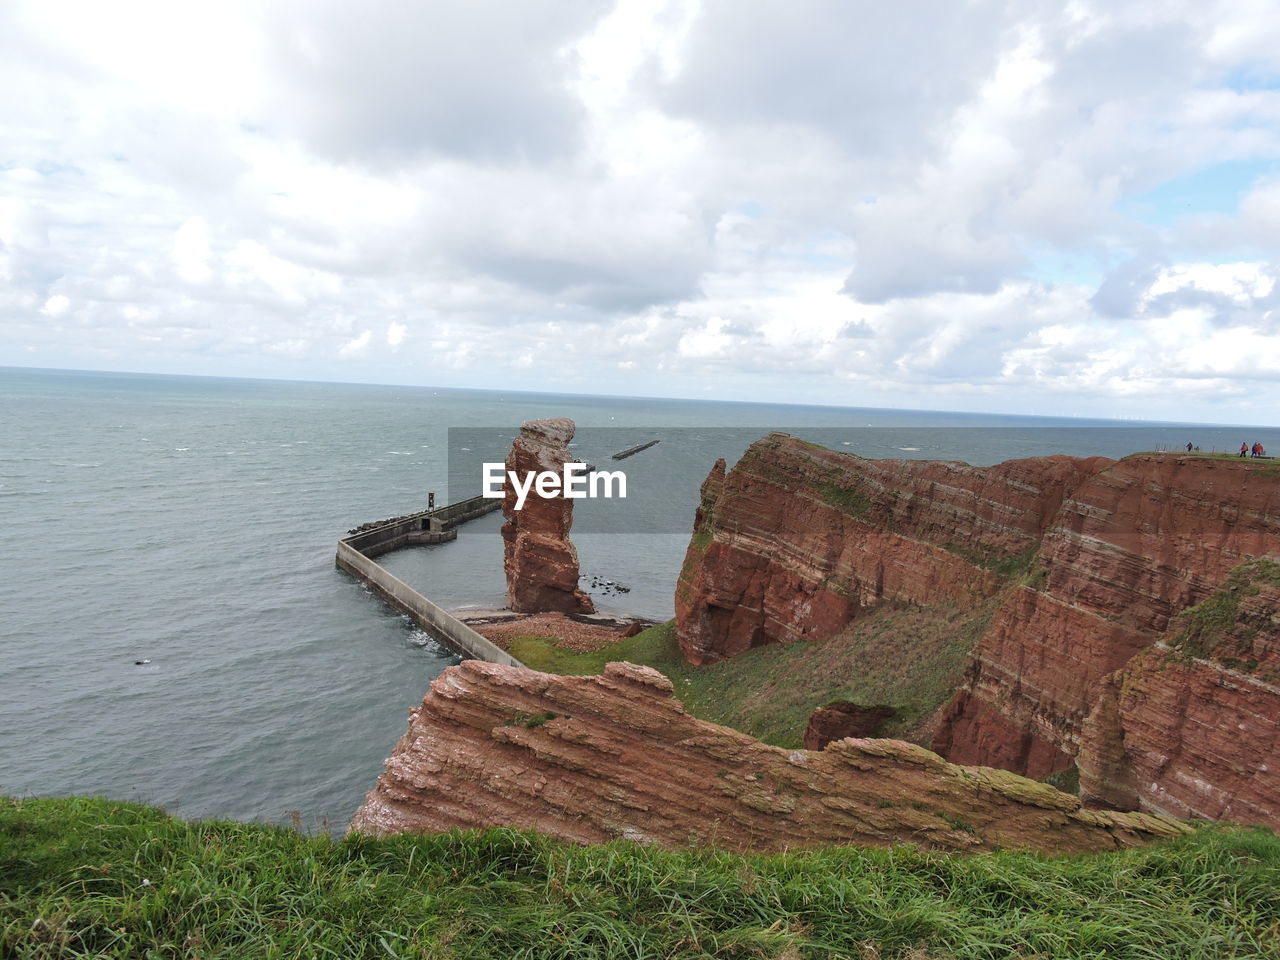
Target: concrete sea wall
{"x":356,"y":553}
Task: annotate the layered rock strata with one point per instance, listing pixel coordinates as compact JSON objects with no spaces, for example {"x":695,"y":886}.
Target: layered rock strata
{"x":1139,"y":542}
{"x":796,"y":539}
{"x":591,"y":759}
{"x":1090,"y":559}
{"x":541,"y":562}
{"x":1191,"y":726}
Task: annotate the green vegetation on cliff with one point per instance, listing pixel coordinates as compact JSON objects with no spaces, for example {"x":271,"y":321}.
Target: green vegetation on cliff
{"x":911,"y":659}
{"x":95,"y":878}
{"x":1203,"y":627}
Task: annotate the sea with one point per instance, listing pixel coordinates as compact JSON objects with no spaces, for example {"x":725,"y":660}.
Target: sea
{"x":173,"y":630}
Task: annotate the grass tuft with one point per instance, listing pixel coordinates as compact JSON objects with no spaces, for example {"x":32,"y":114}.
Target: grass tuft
{"x":1202,"y":628}
{"x":84,"y":878}
{"x":845,"y":499}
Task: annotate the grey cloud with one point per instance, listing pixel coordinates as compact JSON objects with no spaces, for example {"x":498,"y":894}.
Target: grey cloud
{"x":857,"y":330}
{"x":588,"y":240}
{"x":877,"y":77}
{"x":1095,"y":129}
{"x":1127,"y":61}
{"x":616,"y":287}
{"x":902,"y":260}
{"x":1121,"y":292}
{"x":1225,"y":310}
{"x":742,"y":330}
{"x":384,"y":81}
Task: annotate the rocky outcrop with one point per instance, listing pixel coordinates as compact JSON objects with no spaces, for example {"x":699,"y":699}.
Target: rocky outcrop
{"x":540,"y":561}
{"x":842,"y":719}
{"x":1191,"y":726}
{"x":1089,"y":561}
{"x":792,"y":542}
{"x":592,"y":759}
{"x":1139,"y":542}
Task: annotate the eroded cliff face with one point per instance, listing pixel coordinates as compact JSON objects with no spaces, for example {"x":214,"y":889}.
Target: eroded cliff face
{"x":793,"y":541}
{"x":839,"y":720}
{"x":1191,"y":726}
{"x":541,"y":562}
{"x":1135,"y":545}
{"x":1090,"y":560}
{"x":592,"y":759}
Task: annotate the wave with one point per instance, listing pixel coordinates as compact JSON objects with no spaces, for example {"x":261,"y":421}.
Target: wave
{"x":424,"y":641}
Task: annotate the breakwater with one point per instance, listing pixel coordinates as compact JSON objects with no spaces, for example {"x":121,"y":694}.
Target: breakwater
{"x":355,"y":556}
{"x":632,"y":451}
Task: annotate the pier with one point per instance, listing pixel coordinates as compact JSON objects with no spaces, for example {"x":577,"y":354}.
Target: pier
{"x":632,"y":451}
{"x":439,"y":525}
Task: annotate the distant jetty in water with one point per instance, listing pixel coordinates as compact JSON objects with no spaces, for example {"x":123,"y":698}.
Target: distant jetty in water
{"x":632,"y":451}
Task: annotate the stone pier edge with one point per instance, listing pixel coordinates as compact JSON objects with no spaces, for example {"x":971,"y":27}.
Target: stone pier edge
{"x":355,"y":556}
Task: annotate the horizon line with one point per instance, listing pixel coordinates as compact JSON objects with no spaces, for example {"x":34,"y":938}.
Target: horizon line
{"x":623,"y":396}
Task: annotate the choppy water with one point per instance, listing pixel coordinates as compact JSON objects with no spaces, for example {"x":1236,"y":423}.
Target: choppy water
{"x":192,"y":522}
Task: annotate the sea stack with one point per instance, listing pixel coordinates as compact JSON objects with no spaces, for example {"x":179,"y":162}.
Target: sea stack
{"x":540,"y":562}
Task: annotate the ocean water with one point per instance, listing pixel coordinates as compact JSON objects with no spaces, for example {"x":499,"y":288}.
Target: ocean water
{"x":192,"y":522}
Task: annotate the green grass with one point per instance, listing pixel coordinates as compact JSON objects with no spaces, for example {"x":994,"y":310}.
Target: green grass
{"x":909,"y":659}
{"x":1022,"y":565}
{"x":844,"y":498}
{"x":1202,"y":628}
{"x":655,"y":647}
{"x":94,"y":878}
{"x":1265,"y":468}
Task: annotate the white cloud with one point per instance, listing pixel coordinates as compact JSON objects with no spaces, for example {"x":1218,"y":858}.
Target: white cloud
{"x":708,"y":342}
{"x":56,"y":306}
{"x":191,"y":251}
{"x":919,"y":204}
{"x":1241,"y":281}
{"x":355,"y":346}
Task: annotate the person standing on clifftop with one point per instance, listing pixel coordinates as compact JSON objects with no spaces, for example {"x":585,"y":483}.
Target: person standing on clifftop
{"x":1188,"y":446}
{"x":1244,"y":449}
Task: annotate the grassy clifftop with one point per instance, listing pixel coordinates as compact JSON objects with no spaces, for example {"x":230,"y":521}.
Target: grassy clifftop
{"x":94,"y":878}
{"x":911,"y":659}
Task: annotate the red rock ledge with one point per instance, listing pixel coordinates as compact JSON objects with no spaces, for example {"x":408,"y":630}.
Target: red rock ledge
{"x":591,"y":759}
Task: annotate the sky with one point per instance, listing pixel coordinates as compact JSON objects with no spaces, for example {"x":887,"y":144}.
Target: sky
{"x":1016,"y":207}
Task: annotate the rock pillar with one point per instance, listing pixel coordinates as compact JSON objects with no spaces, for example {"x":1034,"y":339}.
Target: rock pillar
{"x":540,"y":561}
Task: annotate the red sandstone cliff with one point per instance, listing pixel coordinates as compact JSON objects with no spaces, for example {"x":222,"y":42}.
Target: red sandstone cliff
{"x":797,"y":538}
{"x":1090,"y":558}
{"x":1139,"y":542}
{"x":1191,"y":726}
{"x":592,"y":759}
{"x":540,"y":561}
